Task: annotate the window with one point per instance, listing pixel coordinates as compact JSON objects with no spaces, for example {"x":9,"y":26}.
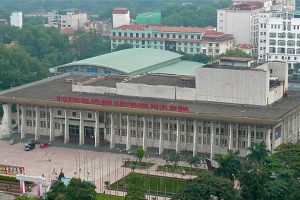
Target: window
{"x":59,"y":112}
{"x":28,"y":113}
{"x":42,"y":114}
{"x":291,"y":51}
{"x":281,"y":35}
{"x":74,"y":114}
{"x":28,"y":123}
{"x":272,"y":42}
{"x":272,"y":35}
{"x":90,"y":115}
{"x":42,"y":124}
{"x":57,"y":125}
{"x":281,"y":43}
{"x":291,"y":35}
{"x":291,"y":43}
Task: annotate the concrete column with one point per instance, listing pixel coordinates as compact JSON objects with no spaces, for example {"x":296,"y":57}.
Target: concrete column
{"x":23,"y":135}
{"x":39,"y":190}
{"x":128,"y":144}
{"x":22,"y":187}
{"x":112,"y":131}
{"x":96,"y":131}
{"x":212,"y":143}
{"x":144,"y":133}
{"x":37,"y":123}
{"x":6,"y":126}
{"x":67,"y":135}
{"x":268,"y":139}
{"x":177,"y":136}
{"x":230,"y":137}
{"x":202,"y":137}
{"x":254,"y":140}
{"x":18,"y":117}
{"x":195,"y":138}
{"x":237,"y":137}
{"x":81,"y":128}
{"x":51,"y":131}
{"x":248,"y":138}
{"x":160,"y":148}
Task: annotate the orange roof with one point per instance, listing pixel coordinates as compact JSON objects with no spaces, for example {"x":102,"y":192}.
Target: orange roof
{"x":236,"y":58}
{"x":244,"y":46}
{"x":182,"y":29}
{"x":120,"y":11}
{"x":135,"y":27}
{"x":213,"y":33}
{"x":68,"y":30}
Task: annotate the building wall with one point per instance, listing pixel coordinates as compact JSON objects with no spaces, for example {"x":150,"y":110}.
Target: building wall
{"x":143,"y":90}
{"x":16,"y":19}
{"x":275,"y":94}
{"x":166,"y":133}
{"x":232,"y":86}
{"x":121,"y":19}
{"x":186,"y":93}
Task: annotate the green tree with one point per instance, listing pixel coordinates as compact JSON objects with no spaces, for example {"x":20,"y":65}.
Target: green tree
{"x":140,"y":153}
{"x":194,"y":161}
{"x":174,"y":158}
{"x":236,"y":53}
{"x":134,"y":183}
{"x":205,"y":185}
{"x":229,"y":165}
{"x":258,"y":154}
{"x":289,"y":155}
{"x":122,"y":47}
{"x":252,"y":184}
{"x":57,"y":189}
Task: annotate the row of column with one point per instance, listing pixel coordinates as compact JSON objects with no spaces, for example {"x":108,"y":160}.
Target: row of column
{"x":7,"y":116}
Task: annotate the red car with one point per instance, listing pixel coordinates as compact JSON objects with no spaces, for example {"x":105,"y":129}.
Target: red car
{"x":44,"y":145}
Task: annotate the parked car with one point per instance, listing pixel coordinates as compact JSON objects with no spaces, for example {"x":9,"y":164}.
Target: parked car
{"x":30,"y":145}
{"x":13,"y":141}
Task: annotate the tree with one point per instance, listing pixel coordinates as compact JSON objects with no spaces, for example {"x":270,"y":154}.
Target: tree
{"x":236,"y":53}
{"x":76,"y":190}
{"x":289,"y":155}
{"x":194,"y":161}
{"x":229,"y":165}
{"x":252,"y":184}
{"x":258,"y":154}
{"x":122,"y":47}
{"x":140,"y":154}
{"x":205,"y":185}
{"x":134,"y":183}
{"x":175,"y":158}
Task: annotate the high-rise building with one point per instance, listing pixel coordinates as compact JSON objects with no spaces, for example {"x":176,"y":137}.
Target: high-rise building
{"x":16,"y":19}
{"x":71,"y":18}
{"x":191,"y":40}
{"x":121,"y":16}
{"x":241,"y":20}
{"x":279,"y":37}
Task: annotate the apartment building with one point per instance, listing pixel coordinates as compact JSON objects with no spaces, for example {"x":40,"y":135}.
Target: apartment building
{"x":191,"y":40}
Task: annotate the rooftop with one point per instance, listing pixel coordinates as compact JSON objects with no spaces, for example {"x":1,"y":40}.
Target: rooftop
{"x":130,"y":61}
{"x":44,"y":93}
{"x":241,"y":59}
{"x":163,"y":79}
{"x":120,"y":11}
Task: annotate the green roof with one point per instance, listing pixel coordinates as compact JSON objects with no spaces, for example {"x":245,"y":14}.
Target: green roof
{"x":148,"y":18}
{"x":130,"y":61}
{"x":184,"y":67}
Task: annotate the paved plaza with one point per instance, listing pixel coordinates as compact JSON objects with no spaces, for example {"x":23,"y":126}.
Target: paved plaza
{"x":88,"y":165}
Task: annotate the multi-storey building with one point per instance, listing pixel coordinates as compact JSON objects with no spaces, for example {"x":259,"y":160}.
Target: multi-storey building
{"x":67,"y":19}
{"x":16,"y":19}
{"x":279,"y":38}
{"x":209,"y":113}
{"x":191,"y":40}
{"x":121,"y":16}
{"x":241,"y":20}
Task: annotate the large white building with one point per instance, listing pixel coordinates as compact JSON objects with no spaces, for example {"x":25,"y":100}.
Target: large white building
{"x":161,"y":112}
{"x":191,"y":40}
{"x":241,"y":20}
{"x":120,"y":16}
{"x":67,"y":19}
{"x":279,"y":38}
{"x":16,"y":19}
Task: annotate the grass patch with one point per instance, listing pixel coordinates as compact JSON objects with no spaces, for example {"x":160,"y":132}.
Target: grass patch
{"x":155,"y":185}
{"x":108,"y":197}
{"x":12,"y":179}
{"x":137,"y":165}
{"x":180,"y":170}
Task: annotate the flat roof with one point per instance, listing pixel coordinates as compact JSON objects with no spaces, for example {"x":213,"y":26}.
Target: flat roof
{"x":44,"y":93}
{"x":183,"y":67}
{"x":163,"y":79}
{"x":129,"y":61}
{"x":106,"y":81}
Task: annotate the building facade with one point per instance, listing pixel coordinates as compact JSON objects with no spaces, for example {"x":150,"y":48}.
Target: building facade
{"x":185,"y":39}
{"x":121,"y":16}
{"x":279,"y":37}
{"x":151,"y":111}
{"x":16,"y":19}
{"x":67,"y":19}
